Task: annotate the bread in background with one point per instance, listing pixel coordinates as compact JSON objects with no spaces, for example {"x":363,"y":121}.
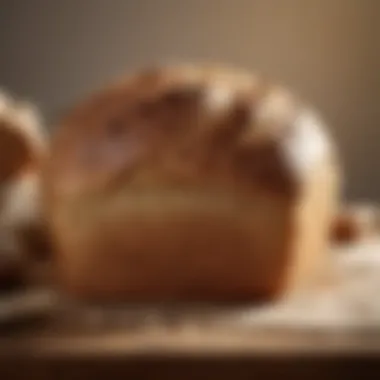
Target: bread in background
{"x":355,"y":222}
{"x":23,"y":148}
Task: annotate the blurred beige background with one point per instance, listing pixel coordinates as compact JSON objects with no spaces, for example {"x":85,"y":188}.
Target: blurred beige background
{"x":56,"y":51}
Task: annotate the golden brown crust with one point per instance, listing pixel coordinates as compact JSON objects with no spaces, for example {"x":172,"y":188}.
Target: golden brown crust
{"x":206,"y":170}
{"x":185,"y":125}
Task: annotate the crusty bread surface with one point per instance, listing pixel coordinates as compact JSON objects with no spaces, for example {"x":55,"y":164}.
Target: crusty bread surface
{"x":190,"y":183}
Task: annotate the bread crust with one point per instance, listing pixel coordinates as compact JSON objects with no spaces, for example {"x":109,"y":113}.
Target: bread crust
{"x":184,"y":173}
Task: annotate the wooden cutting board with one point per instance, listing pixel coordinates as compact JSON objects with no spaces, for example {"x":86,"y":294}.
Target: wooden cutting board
{"x":338,"y":321}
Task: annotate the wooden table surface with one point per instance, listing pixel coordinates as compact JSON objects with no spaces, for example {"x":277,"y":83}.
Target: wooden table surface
{"x":324,"y":334}
{"x":42,"y":352}
{"x":89,"y":345}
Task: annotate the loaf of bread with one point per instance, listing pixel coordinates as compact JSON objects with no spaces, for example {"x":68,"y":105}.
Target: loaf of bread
{"x":190,"y":183}
{"x":354,"y":223}
{"x":23,"y":146}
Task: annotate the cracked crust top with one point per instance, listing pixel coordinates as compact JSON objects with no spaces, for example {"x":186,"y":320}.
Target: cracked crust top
{"x":189,"y":125}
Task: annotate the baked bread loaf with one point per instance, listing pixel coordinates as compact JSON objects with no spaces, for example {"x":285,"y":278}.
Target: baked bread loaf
{"x":190,"y":183}
{"x":22,"y":149}
{"x":354,"y":223}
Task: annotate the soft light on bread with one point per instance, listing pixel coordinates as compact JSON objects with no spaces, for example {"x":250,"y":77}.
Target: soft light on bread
{"x":190,"y":183}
